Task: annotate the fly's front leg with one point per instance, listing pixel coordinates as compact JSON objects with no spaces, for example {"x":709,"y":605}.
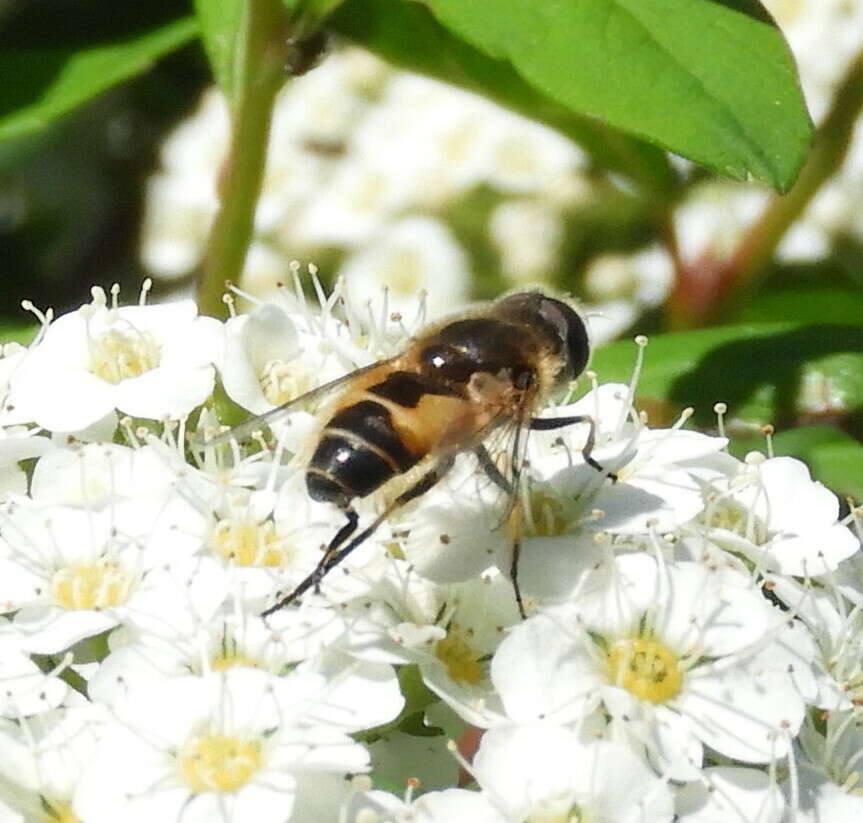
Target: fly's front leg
{"x":552,"y":423}
{"x":516,"y":531}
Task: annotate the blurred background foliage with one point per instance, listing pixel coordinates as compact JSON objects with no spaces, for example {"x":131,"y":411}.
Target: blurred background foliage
{"x":545,"y":166}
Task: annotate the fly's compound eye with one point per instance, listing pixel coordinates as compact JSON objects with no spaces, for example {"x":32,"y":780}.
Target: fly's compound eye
{"x":572,"y":333}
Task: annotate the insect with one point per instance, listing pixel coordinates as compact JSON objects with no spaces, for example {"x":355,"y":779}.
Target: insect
{"x":451,"y":387}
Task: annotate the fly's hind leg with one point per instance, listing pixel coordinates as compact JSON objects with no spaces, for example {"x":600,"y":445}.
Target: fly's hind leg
{"x":340,"y":536}
{"x":335,"y":555}
{"x":551,"y":423}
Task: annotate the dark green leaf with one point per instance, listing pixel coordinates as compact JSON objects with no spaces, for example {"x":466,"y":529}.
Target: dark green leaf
{"x":219,"y":22}
{"x":827,"y":304}
{"x":768,"y":373}
{"x":407,"y":35}
{"x":713,"y":81}
{"x":42,"y":83}
{"x":834,"y":457}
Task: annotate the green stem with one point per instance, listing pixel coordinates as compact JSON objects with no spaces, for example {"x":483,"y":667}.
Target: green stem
{"x":264,"y":47}
{"x":753,"y":256}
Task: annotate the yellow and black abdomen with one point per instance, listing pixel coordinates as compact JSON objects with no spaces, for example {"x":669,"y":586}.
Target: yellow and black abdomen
{"x":368,"y":441}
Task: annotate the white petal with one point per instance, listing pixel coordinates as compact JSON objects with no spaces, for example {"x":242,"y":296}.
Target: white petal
{"x":731,"y":794}
{"x":749,"y":713}
{"x":541,"y":674}
{"x":813,"y":553}
{"x":165,"y":393}
{"x":642,"y":503}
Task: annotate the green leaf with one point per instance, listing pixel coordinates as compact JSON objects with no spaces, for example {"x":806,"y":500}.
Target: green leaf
{"x":711,"y":80}
{"x":779,"y":373}
{"x":219,"y":22}
{"x":407,"y":35}
{"x":834,"y":457}
{"x":44,"y":82}
{"x":16,"y":331}
{"x":813,"y":304}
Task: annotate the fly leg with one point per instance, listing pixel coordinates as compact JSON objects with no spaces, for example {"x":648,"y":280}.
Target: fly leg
{"x":513,"y":519}
{"x":492,"y":471}
{"x":516,"y":529}
{"x":340,"y":536}
{"x":335,"y":555}
{"x":551,"y":423}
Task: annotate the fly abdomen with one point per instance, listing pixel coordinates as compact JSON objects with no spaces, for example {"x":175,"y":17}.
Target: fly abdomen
{"x":358,"y":452}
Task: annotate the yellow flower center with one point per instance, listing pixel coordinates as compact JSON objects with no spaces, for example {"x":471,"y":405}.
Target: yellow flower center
{"x":733,"y":518}
{"x":461,"y":661}
{"x":58,"y":811}
{"x":547,"y":516}
{"x":227,"y":660}
{"x":219,"y":762}
{"x":645,"y":667}
{"x":249,"y":543}
{"x":280,"y":381}
{"x":457,"y":143}
{"x":556,"y":817}
{"x":402,"y":273}
{"x":512,"y":156}
{"x":97,"y":585}
{"x":117,"y":355}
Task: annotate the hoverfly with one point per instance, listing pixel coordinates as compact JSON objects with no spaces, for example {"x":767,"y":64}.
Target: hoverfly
{"x":453,"y":385}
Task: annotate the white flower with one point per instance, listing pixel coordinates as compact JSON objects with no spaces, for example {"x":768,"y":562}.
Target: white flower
{"x":527,"y":235}
{"x":177,"y":219}
{"x":454,"y":532}
{"x":449,"y":631}
{"x":356,"y":203}
{"x":268,"y":542}
{"x":224,"y":748}
{"x":772,"y":512}
{"x":197,"y":146}
{"x":656,"y":487}
{"x":145,"y":361}
{"x":679,"y":655}
{"x":73,"y":573}
{"x":713,"y":218}
{"x":42,"y":761}
{"x":95,"y":475}
{"x":414,"y":255}
{"x":273,"y":355}
{"x":526,"y":157}
{"x":646,"y":275}
{"x":837,"y":630}
{"x":829,"y":775}
{"x":548,"y":774}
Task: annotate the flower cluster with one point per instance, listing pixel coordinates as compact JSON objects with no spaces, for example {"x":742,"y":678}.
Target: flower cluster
{"x":691,"y":651}
{"x":395,"y":180}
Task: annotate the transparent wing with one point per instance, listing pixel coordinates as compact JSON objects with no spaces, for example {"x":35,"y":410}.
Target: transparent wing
{"x":506,"y":447}
{"x":244,"y":430}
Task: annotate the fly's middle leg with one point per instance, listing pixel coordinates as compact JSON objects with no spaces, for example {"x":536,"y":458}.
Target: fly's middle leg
{"x":552,"y":423}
